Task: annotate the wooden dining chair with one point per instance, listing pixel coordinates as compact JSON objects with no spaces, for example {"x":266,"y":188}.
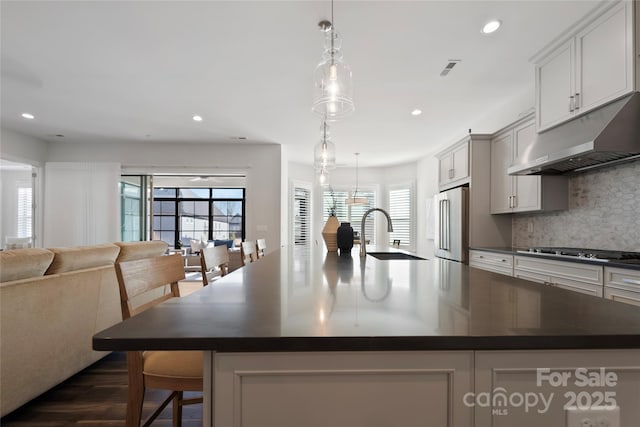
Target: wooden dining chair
{"x":215,"y":263}
{"x":248,"y":252}
{"x":175,"y":371}
{"x":261,"y":246}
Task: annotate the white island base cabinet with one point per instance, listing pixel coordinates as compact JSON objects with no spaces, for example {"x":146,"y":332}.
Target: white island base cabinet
{"x":550,"y":382}
{"x":418,"y":388}
{"x":354,"y":389}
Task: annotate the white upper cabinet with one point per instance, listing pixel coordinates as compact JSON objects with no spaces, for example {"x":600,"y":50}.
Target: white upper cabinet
{"x":521,"y":193}
{"x":453,"y":165}
{"x":591,"y":67}
{"x":555,"y":86}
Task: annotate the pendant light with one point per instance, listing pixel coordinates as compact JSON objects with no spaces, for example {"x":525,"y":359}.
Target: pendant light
{"x":354,"y":199}
{"x":323,"y":177}
{"x":333,"y":87}
{"x":324,"y":153}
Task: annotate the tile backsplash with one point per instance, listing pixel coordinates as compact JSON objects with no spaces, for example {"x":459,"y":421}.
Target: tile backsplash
{"x":604,"y":213}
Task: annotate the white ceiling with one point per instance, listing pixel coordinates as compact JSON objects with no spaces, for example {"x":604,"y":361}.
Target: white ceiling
{"x":103,"y":71}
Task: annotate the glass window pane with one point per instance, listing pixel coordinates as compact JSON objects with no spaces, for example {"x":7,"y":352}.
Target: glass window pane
{"x":167,"y":223}
{"x":228,"y":193}
{"x":194,"y":193}
{"x":164,"y":207}
{"x":164,"y":192}
{"x":167,"y":236}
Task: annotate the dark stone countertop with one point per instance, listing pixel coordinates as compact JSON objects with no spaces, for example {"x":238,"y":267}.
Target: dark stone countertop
{"x":632,"y":264}
{"x":293,"y":300}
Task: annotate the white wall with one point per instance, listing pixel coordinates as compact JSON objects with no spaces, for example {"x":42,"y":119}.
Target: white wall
{"x":426,"y":188}
{"x":22,"y":148}
{"x":261,"y":163}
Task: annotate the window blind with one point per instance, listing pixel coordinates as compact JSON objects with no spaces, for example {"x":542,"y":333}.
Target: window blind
{"x":400,"y":211}
{"x":301,"y":212}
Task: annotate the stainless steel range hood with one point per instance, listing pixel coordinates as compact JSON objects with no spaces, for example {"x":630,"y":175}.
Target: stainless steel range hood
{"x":610,"y":134}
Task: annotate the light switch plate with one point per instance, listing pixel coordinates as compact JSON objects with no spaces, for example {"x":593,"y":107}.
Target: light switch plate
{"x":596,"y":416}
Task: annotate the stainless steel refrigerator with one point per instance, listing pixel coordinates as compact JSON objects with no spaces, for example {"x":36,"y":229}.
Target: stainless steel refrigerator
{"x":451,"y":228}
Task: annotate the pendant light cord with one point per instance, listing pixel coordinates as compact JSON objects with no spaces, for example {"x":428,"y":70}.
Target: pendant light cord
{"x":356,"y":192}
{"x":332,"y":27}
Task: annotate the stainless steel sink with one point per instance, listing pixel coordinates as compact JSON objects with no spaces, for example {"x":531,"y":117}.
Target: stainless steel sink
{"x":393,"y":255}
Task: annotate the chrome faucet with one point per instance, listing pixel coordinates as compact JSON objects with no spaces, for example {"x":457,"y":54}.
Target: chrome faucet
{"x":363,"y":240}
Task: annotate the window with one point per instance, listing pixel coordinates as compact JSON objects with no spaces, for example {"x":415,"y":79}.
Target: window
{"x":350,"y":213}
{"x":131,"y":218}
{"x":301,"y":215}
{"x":25,"y":210}
{"x":183,"y":214}
{"x":400,"y":210}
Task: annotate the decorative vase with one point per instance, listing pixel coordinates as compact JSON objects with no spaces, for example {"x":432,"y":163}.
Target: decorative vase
{"x":330,"y":233}
{"x":345,"y":238}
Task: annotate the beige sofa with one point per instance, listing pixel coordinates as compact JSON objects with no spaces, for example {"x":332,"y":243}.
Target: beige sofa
{"x":52,"y":301}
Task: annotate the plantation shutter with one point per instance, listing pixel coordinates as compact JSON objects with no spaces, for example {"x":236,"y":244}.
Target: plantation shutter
{"x":400,"y":212}
{"x":302,"y":216}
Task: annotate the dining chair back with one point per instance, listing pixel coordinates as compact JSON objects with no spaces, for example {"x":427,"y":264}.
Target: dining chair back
{"x":248,"y":252}
{"x":261,"y":246}
{"x":215,"y":263}
{"x":175,"y":371}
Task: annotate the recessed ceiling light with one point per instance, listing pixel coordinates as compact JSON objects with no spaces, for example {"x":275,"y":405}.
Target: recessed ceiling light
{"x":28,"y":116}
{"x":416,"y":112}
{"x":491,"y":26}
{"x":197,"y":118}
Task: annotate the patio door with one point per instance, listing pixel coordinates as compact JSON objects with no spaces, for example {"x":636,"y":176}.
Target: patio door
{"x":135,"y":193}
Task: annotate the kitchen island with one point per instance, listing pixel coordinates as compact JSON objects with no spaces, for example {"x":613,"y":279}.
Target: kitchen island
{"x":311,"y":338}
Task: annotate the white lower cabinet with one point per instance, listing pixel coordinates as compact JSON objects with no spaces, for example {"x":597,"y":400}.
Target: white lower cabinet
{"x":491,"y":261}
{"x":573,"y":276}
{"x":524,"y":387}
{"x":622,"y":285}
{"x":354,"y":389}
{"x":506,"y":388}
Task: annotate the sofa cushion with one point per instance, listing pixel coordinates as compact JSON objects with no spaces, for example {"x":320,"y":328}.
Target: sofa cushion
{"x":19,"y":264}
{"x":130,"y":251}
{"x":81,"y":257}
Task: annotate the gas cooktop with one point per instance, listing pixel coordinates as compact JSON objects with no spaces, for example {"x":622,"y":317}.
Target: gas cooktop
{"x":602,"y":255}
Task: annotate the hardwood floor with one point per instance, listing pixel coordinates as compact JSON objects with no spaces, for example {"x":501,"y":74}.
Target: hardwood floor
{"x":96,"y":396}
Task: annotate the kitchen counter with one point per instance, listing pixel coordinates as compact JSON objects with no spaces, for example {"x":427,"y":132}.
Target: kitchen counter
{"x":310,"y":338}
{"x":632,"y":264}
{"x":294,"y":300}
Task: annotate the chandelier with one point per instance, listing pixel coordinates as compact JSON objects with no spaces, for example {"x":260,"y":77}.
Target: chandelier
{"x":333,"y":98}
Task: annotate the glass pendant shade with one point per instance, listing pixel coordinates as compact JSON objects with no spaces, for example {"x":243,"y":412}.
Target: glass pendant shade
{"x":324,"y":153}
{"x":323,"y":177}
{"x":354,"y":199}
{"x":333,"y":93}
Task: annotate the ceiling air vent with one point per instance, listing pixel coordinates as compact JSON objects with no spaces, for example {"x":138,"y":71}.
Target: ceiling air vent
{"x":447,"y":69}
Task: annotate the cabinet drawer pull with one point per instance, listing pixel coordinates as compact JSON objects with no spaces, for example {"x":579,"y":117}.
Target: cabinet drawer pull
{"x":631,"y":281}
{"x":503,"y":260}
{"x":571,"y":104}
{"x":576,"y":104}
